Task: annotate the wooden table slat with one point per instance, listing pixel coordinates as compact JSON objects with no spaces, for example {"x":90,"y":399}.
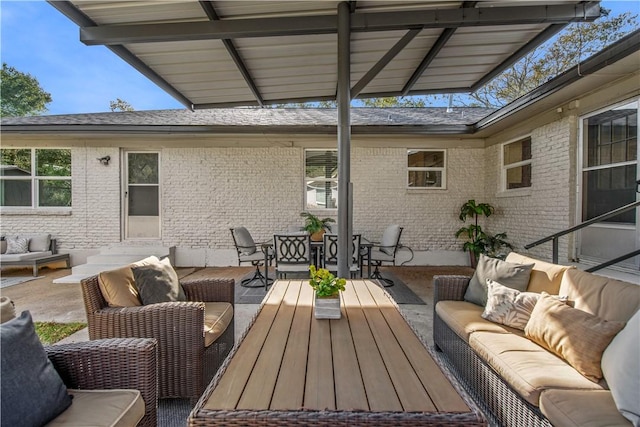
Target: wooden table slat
{"x":377,"y":383}
{"x":290,"y":385}
{"x":350,"y":392}
{"x":261,"y":383}
{"x":319,"y":388}
{"x":229,"y":390}
{"x":410,"y":390}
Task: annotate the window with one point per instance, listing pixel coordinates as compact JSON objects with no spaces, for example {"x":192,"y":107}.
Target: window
{"x":426,"y":169}
{"x":516,"y":164}
{"x":610,"y":143}
{"x":321,"y":179}
{"x":33,"y":177}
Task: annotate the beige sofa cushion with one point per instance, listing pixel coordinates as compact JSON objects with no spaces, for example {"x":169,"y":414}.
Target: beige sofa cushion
{"x":97,"y":408}
{"x":465,"y":318}
{"x":578,"y":337}
{"x":581,"y":408}
{"x":23,"y":257}
{"x":527,"y":367}
{"x":217,"y":317}
{"x":544,"y":275}
{"x":118,"y":286}
{"x":607,"y":298}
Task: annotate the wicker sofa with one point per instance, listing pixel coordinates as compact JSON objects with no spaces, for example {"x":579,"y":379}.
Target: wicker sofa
{"x":194,"y":336}
{"x":516,"y":381}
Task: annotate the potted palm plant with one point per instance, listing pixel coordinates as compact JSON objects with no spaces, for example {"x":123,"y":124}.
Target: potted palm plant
{"x":315,"y":226}
{"x":477,"y":240}
{"x":327,"y":289}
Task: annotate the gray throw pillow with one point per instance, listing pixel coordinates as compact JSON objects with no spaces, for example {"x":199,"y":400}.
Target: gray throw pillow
{"x":32,"y":391}
{"x":17,"y":245}
{"x":515,"y":276}
{"x":158,"y":283}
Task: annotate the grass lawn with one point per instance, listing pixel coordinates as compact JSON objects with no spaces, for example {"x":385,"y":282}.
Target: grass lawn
{"x":51,"y":332}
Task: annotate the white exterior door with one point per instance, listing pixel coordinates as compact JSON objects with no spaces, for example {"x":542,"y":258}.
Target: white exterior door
{"x":141,"y":195}
{"x":609,"y":140}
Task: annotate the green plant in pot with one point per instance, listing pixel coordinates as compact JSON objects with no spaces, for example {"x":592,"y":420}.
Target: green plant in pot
{"x":327,"y":289}
{"x":315,"y":226}
{"x":477,"y":240}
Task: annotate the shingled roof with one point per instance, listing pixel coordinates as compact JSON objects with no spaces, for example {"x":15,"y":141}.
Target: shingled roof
{"x":305,"y":120}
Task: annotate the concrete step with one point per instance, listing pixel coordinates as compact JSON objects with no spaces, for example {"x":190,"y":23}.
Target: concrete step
{"x":95,"y":268}
{"x":73,"y":278}
{"x":159,"y":251}
{"x":115,"y":259}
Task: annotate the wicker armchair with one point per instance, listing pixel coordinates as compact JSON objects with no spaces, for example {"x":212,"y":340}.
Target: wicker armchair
{"x":185,"y":365}
{"x":111,"y":364}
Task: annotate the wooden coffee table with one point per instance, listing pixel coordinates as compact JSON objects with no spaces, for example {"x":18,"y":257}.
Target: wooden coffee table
{"x":368,"y":368}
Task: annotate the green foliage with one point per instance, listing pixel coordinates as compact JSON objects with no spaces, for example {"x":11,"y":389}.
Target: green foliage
{"x":52,"y":332}
{"x":395,"y":102}
{"x":313,"y":224}
{"x":120,"y":105}
{"x":21,"y":94}
{"x":477,"y":240}
{"x":324,"y":283}
{"x":574,"y":44}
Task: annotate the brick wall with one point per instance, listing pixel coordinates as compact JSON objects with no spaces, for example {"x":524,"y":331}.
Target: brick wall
{"x":527,"y":215}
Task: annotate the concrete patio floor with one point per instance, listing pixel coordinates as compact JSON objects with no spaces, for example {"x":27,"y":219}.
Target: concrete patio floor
{"x":63,"y":302}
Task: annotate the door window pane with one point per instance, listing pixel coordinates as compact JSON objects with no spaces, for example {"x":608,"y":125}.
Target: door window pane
{"x":144,"y":201}
{"x":608,"y":189}
{"x":143,"y":168}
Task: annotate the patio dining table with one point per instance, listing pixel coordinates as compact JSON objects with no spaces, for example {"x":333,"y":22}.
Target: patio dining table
{"x":368,"y":368}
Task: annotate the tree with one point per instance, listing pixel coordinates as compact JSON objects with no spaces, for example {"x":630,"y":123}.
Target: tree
{"x":120,"y":105}
{"x":390,"y":102}
{"x":577,"y":42}
{"x":21,"y":94}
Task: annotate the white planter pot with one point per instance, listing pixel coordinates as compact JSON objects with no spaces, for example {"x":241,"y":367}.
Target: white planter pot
{"x":327,"y":307}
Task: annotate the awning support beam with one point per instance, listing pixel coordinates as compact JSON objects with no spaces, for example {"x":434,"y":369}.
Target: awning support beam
{"x":326,"y":24}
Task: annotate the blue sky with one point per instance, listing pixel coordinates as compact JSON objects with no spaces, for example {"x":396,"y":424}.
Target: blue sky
{"x":39,"y":40}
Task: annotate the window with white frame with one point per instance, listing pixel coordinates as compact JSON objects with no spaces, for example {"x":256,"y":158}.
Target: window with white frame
{"x":426,"y":169}
{"x":321,"y":179}
{"x":35,"y":177}
{"x":516,"y":164}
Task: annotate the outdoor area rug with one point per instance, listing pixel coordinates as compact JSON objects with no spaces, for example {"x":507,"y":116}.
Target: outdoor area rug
{"x":5,"y":282}
{"x":173,"y":412}
{"x":400,"y":292}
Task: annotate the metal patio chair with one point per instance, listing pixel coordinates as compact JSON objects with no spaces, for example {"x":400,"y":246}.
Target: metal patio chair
{"x":330,"y":254}
{"x":249,"y":251}
{"x":385,"y":252}
{"x":292,"y":253}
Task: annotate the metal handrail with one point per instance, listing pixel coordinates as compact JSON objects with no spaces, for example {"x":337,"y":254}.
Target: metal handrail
{"x":582,"y":225}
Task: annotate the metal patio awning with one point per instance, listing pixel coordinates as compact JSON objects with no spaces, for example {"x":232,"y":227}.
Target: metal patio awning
{"x":246,"y":53}
{"x":251,"y":53}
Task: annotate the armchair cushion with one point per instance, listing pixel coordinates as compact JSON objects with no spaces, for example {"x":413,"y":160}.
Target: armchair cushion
{"x":246,"y":244}
{"x":158,"y":283}
{"x":217,"y":317}
{"x":98,"y":408}
{"x":390,"y":239}
{"x":32,"y":391}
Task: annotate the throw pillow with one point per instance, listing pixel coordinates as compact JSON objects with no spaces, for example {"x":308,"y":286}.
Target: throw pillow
{"x":32,"y":391}
{"x":158,"y":283}
{"x":515,"y":276}
{"x":576,"y":336}
{"x":17,"y":245}
{"x":3,"y":246}
{"x":509,"y":306}
{"x":244,"y":241}
{"x":621,"y":369}
{"x":118,"y":286}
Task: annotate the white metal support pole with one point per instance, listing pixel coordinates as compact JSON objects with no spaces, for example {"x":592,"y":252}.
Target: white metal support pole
{"x":344,"y":138}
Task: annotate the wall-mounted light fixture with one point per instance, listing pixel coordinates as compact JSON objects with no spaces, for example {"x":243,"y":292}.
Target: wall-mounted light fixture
{"x":104,"y":160}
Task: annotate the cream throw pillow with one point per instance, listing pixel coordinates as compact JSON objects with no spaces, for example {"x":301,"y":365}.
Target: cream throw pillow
{"x":509,"y":306}
{"x":621,"y":369}
{"x":118,"y":286}
{"x":576,"y":336}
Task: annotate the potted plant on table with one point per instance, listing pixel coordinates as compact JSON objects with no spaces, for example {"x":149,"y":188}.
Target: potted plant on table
{"x":327,"y":289}
{"x":478,"y":241}
{"x":315,"y":226}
